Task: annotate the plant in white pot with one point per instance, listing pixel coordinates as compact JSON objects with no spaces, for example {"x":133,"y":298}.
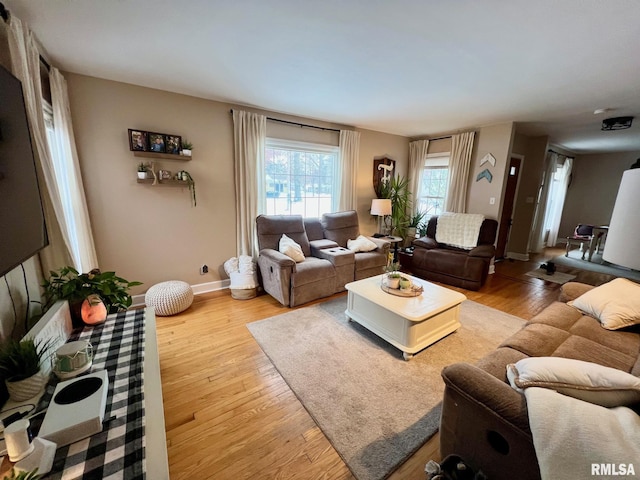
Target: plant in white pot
{"x":143,"y":168}
{"x":186,"y":148}
{"x":393,"y":275}
{"x":20,"y":366}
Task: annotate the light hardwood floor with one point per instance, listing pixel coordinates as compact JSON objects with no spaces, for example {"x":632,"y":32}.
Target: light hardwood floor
{"x":230,"y":415}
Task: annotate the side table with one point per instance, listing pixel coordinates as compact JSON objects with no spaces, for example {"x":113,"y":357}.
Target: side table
{"x":406,"y":260}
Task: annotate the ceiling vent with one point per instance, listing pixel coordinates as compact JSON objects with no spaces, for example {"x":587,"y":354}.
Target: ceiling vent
{"x":617,"y":123}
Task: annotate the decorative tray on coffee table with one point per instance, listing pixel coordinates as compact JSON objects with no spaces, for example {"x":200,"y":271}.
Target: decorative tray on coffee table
{"x":413,"y":291}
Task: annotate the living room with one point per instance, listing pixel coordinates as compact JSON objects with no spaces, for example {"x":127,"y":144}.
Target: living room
{"x":154,"y":234}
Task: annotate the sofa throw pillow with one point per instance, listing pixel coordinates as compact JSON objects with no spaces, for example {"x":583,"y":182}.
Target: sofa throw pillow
{"x":586,"y":381}
{"x":615,"y":304}
{"x":361,"y":244}
{"x":291,"y":249}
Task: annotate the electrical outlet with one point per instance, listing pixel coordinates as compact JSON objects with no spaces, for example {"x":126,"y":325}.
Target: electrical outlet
{"x":204,"y":269}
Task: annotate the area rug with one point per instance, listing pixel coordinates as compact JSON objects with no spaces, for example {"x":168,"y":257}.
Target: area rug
{"x":557,"y":277}
{"x":375,"y":408}
{"x":596,"y":265}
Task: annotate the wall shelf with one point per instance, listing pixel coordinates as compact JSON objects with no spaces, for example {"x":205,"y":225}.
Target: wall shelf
{"x":165,"y":156}
{"x":169,"y":182}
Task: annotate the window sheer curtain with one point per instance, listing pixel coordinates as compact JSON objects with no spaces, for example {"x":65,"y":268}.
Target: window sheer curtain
{"x":554,"y":191}
{"x":83,"y":249}
{"x":249,"y":138}
{"x":459,"y":165}
{"x":417,"y":157}
{"x":25,"y":63}
{"x":348,"y":159}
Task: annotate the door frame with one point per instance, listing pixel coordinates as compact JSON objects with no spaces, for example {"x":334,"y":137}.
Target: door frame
{"x":515,"y":200}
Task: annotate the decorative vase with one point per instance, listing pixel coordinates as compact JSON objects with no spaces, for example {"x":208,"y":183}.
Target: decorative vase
{"x":393,"y":282}
{"x":405,"y":283}
{"x":186,"y":152}
{"x":142,"y":175}
{"x":22,"y":390}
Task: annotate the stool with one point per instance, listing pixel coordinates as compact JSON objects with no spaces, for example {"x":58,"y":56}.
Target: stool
{"x":169,"y":298}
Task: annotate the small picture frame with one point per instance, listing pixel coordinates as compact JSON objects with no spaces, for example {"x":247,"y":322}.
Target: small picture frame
{"x":172,"y":144}
{"x":138,"y":140}
{"x":157,"y":142}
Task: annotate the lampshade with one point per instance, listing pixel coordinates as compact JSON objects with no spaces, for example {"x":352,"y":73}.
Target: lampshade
{"x":622,"y":246}
{"x":381,"y":206}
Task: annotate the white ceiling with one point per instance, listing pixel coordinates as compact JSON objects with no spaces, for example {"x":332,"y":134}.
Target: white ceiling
{"x":414,"y":68}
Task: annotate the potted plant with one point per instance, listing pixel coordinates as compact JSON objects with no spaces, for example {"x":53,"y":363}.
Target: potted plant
{"x":416,"y":220}
{"x":185,"y":176}
{"x":68,"y":284}
{"x":20,"y":363}
{"x":186,"y":148}
{"x":397,"y":190}
{"x":393,"y":275}
{"x":142,"y":170}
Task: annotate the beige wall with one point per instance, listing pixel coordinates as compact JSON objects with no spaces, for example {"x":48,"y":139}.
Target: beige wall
{"x":494,"y":139}
{"x":533,"y":149}
{"x":376,"y":145}
{"x":593,"y":189}
{"x":152,"y":233}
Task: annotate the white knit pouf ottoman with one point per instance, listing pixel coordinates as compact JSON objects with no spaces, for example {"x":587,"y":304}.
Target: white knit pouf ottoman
{"x":169,"y":298}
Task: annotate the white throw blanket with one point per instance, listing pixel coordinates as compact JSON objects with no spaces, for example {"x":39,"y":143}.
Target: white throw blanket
{"x":459,"y":229}
{"x":576,"y":439}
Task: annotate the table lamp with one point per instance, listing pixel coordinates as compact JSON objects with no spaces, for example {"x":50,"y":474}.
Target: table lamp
{"x":382,"y":208}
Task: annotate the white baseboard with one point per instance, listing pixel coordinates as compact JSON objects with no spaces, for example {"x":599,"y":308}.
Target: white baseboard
{"x":518,"y":256}
{"x":138,"y":300}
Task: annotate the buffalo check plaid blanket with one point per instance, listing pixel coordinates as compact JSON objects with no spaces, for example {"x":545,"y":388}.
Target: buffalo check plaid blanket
{"x":118,"y":452}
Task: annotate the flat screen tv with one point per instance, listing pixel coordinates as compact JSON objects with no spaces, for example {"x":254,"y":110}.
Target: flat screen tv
{"x":22,"y":227}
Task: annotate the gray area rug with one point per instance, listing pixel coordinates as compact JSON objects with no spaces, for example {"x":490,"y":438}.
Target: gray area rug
{"x":375,"y":408}
{"x":596,"y":265}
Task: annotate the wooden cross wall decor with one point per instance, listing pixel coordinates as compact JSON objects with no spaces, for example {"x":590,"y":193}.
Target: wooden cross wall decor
{"x":383,"y":170}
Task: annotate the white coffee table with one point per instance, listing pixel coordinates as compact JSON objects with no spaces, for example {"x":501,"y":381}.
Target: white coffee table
{"x":408,"y":323}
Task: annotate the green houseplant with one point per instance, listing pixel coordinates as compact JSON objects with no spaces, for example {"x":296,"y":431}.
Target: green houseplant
{"x":68,"y":284}
{"x":185,"y":176}
{"x":397,"y":190}
{"x":32,"y":475}
{"x":20,"y":367}
{"x":186,"y":148}
{"x":142,"y":170}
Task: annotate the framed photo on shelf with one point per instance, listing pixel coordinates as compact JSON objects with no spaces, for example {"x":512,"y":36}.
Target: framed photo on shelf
{"x":138,"y":140}
{"x":173,"y":143}
{"x":157,"y":142}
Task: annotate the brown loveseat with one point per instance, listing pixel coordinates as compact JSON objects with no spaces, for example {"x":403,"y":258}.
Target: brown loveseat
{"x":454,"y":266}
{"x":485,"y":421}
{"x":328,"y":265}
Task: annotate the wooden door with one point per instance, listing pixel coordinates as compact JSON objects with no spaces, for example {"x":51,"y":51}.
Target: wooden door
{"x":507,"y":207}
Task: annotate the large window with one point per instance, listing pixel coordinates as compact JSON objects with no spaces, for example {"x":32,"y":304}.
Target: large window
{"x":300,"y":178}
{"x":435,"y":180}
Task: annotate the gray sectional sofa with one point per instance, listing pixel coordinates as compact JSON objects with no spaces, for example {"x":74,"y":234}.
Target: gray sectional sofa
{"x":327,"y":266}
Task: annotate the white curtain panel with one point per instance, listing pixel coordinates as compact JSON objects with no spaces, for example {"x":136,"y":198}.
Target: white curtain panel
{"x":539,"y":231}
{"x":348,"y":167}
{"x":83,"y":248}
{"x":459,"y":165}
{"x":558,"y":195}
{"x":249,"y":138}
{"x":417,"y":157}
{"x":25,"y":63}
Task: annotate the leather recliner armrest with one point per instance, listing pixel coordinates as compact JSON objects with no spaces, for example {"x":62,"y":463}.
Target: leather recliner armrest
{"x":485,"y":251}
{"x":488,"y":392}
{"x":426,"y":242}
